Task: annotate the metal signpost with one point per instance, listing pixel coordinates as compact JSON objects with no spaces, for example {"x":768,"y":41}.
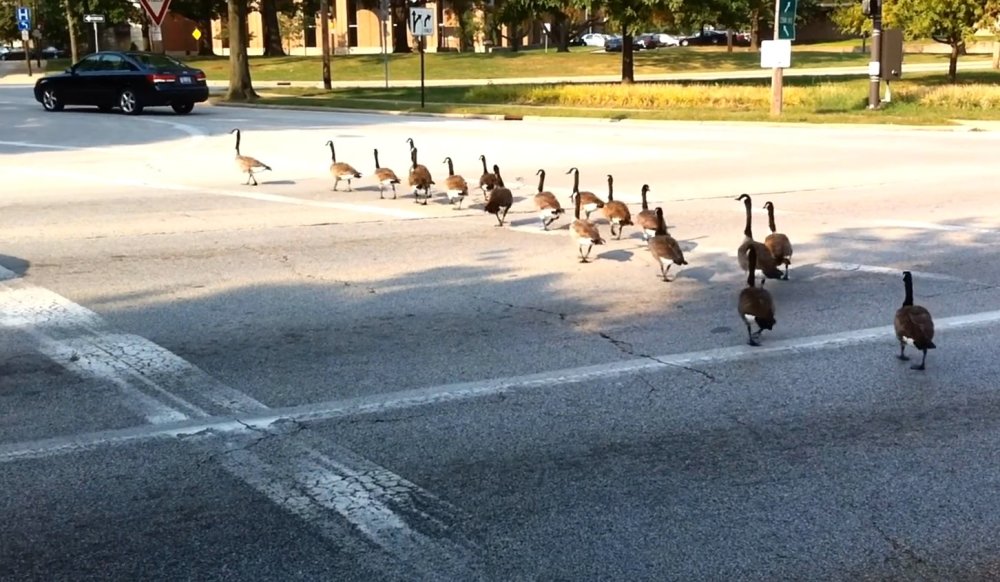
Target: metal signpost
{"x":23,"y":16}
{"x":383,"y":23}
{"x":157,"y":11}
{"x":94,"y":19}
{"x":421,"y":26}
{"x":873,"y":9}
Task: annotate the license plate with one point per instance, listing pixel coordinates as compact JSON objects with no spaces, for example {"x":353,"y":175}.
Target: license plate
{"x":185,"y":80}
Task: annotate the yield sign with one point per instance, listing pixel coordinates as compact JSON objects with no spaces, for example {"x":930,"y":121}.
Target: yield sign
{"x":156,"y":9}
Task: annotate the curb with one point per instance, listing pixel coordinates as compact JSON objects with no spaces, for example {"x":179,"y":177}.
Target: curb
{"x":959,"y":127}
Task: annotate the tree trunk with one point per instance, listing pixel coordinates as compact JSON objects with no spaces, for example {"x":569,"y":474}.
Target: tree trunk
{"x":398,"y":17}
{"x":996,"y":54}
{"x":205,"y":42}
{"x":755,"y":29}
{"x":953,"y":62}
{"x":729,"y":40}
{"x":628,"y":57}
{"x":270,"y":29}
{"x":240,"y":86}
{"x":71,"y":27}
{"x":560,"y":29}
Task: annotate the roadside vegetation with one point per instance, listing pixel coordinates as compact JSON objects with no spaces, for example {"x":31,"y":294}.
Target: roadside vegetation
{"x":918,"y":100}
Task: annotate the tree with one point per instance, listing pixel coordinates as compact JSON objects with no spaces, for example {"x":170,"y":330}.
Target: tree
{"x":850,"y":20}
{"x":240,"y":86}
{"x":627,"y":15}
{"x":991,"y":20}
{"x":202,"y":12}
{"x":270,"y":30}
{"x":950,"y":22}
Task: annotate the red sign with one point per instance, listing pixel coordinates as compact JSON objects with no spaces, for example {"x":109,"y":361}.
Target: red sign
{"x":156,"y":9}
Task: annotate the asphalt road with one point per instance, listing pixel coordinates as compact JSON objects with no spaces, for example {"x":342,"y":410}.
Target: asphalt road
{"x":211,"y":381}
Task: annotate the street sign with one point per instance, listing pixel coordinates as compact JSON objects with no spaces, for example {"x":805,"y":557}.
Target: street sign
{"x":23,"y":25}
{"x":156,"y":9}
{"x":421,"y":22}
{"x":24,"y":13}
{"x":24,"y":36}
{"x":775,"y":54}
{"x":196,"y":34}
{"x":155,"y":33}
{"x":786,"y":19}
{"x":95,"y":18}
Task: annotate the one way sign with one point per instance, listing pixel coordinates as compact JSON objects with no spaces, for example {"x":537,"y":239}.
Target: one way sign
{"x":421,"y":22}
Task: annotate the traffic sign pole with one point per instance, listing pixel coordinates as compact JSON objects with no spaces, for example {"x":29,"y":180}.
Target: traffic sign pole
{"x":777,"y":73}
{"x":875,"y":65}
{"x":421,"y":26}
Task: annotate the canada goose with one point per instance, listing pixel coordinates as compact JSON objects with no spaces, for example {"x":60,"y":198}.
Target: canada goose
{"x":755,"y":303}
{"x":501,"y":198}
{"x":455,"y":186}
{"x":914,"y":325}
{"x":590,"y":201}
{"x":247,"y":164}
{"x":546,"y":202}
{"x":616,"y":212}
{"x":777,"y":243}
{"x":420,"y":178}
{"x":765,"y":261}
{"x":665,"y":249}
{"x":646,"y":219}
{"x":488,"y":181}
{"x":584,"y":232}
{"x":341,"y":170}
{"x":385,"y":177}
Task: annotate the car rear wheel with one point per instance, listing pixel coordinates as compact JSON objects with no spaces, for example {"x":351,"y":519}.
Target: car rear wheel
{"x":50,"y":101}
{"x":129,"y":103}
{"x":182,"y":108}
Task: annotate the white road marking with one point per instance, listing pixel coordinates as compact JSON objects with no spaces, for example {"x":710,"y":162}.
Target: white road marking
{"x":916,"y":225}
{"x":852,"y":267}
{"x":419,"y":397}
{"x":38,"y":146}
{"x":254,"y":195}
{"x":194,"y":132}
{"x":154,"y":382}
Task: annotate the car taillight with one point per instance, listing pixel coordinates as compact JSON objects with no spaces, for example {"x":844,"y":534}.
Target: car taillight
{"x":200,"y":77}
{"x":161,"y":78}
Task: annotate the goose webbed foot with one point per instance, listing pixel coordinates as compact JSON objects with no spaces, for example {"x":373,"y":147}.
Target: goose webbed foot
{"x":920,"y":366}
{"x":903,"y":356}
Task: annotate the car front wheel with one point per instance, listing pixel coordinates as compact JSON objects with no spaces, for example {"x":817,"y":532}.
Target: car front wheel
{"x":50,"y":101}
{"x":182,"y":108}
{"x":129,"y":103}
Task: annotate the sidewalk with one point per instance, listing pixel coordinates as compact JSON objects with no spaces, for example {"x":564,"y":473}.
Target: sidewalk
{"x":18,"y":76}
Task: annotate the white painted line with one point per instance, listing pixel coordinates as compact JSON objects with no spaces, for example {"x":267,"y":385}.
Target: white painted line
{"x":395,"y":401}
{"x":191,"y":130}
{"x":38,"y":146}
{"x":252,"y":195}
{"x":154,"y":381}
{"x":853,"y":267}
{"x":916,"y":225}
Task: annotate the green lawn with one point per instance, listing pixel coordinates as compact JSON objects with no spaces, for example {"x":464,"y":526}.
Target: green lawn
{"x":919,"y":100}
{"x":531,"y":63}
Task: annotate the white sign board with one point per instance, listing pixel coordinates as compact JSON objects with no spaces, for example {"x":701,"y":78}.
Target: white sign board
{"x":24,"y":35}
{"x":421,"y":21}
{"x":776,"y":54}
{"x":874,"y":69}
{"x":93,"y":18}
{"x":155,"y":33}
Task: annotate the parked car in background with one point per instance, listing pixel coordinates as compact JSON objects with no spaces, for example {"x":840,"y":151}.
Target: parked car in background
{"x":52,"y":52}
{"x":594,"y":39}
{"x":667,"y":39}
{"x":614,"y":44}
{"x":130,"y":81}
{"x":648,"y":40}
{"x":713,"y":37}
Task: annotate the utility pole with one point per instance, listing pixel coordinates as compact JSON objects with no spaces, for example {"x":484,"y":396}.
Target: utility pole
{"x":873,"y":8}
{"x":777,"y":73}
{"x":324,"y":27}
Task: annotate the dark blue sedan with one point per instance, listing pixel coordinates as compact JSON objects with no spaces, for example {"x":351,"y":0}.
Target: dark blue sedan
{"x":127,"y":80}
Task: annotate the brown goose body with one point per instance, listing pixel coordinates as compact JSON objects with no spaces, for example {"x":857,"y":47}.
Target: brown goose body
{"x":455,"y":186}
{"x":646,"y":218}
{"x":546,"y":203}
{"x":420,"y":179}
{"x":755,"y":304}
{"x":589,"y":202}
{"x":488,"y":181}
{"x":765,"y":260}
{"x":341,"y":170}
{"x":664,"y":247}
{"x":501,"y":199}
{"x":385,"y":177}
{"x":584,"y":233}
{"x":913,"y":325}
{"x":778,"y":243}
{"x":616,"y":212}
{"x":247,"y":164}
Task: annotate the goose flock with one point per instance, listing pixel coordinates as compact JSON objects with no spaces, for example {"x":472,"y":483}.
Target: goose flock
{"x":913,"y":324}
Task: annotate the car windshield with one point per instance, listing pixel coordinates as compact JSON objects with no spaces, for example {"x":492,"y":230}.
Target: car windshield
{"x":155,"y":61}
